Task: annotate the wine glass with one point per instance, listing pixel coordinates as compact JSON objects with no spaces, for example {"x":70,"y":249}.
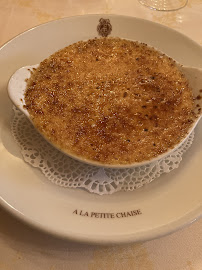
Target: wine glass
{"x":164,"y":5}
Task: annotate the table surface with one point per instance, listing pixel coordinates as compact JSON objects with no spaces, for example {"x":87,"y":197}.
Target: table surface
{"x":22,"y":247}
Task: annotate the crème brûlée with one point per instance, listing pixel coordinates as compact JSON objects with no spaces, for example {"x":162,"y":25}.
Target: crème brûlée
{"x":111,"y":101}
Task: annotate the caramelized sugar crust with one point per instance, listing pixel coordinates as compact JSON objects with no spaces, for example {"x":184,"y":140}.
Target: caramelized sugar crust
{"x":110,"y":100}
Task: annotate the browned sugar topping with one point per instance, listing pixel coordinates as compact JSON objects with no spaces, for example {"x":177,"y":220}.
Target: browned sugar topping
{"x":110,"y":100}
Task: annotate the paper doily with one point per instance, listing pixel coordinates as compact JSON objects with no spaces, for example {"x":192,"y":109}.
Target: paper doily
{"x":67,"y":172}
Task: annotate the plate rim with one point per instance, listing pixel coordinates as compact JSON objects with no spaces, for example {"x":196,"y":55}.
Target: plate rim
{"x":98,"y":15}
{"x":115,"y":239}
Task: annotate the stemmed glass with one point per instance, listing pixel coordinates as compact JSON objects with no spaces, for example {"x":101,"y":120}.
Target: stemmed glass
{"x":164,"y":5}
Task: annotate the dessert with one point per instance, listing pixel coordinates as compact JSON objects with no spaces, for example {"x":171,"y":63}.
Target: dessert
{"x":110,"y":100}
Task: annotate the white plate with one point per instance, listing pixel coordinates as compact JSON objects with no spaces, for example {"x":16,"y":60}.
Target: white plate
{"x":165,"y":205}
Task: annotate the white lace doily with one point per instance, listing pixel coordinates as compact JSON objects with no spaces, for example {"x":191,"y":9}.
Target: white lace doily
{"x":67,"y":172}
